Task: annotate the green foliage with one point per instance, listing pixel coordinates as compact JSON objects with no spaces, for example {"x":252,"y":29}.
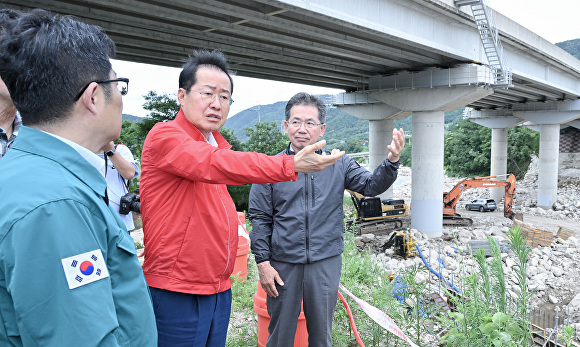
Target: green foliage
{"x":345,"y":130}
{"x":406,"y":157}
{"x":522,"y":143}
{"x":483,"y":317}
{"x":131,"y":137}
{"x":265,"y":138}
{"x":229,"y":135}
{"x":239,"y":193}
{"x":354,"y":145}
{"x":162,"y":108}
{"x":568,"y":333}
{"x":522,"y":252}
{"x":363,"y":276}
{"x":453,"y":118}
{"x":467,"y":150}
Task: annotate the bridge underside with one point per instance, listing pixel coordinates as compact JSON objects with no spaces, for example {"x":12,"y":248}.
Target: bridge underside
{"x":277,"y":40}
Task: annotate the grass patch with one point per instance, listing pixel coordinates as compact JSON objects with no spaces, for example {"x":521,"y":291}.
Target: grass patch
{"x":486,"y":315}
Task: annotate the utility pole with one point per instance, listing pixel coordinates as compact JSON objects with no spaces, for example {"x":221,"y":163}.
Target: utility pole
{"x":257,"y":108}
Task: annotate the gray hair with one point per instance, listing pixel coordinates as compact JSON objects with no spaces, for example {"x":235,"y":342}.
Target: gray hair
{"x":303,"y":98}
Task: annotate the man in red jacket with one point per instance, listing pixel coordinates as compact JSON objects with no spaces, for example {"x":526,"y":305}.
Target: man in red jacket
{"x":189,"y":220}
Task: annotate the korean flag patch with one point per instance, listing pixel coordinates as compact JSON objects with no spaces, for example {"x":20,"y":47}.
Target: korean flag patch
{"x":84,"y":268}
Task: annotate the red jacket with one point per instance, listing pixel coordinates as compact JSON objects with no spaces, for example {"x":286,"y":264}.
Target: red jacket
{"x":189,"y":219}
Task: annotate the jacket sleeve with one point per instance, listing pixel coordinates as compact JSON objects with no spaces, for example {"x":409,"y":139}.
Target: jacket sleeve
{"x":360,"y":180}
{"x":38,"y":305}
{"x":261,"y":215}
{"x":173,"y":151}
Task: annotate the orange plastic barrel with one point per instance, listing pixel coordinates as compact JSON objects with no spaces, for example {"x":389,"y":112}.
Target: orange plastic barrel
{"x":241,"y":263}
{"x":241,"y":218}
{"x":301,"y":337}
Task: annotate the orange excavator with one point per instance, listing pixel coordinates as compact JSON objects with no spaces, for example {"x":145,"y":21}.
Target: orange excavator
{"x":451,"y":198}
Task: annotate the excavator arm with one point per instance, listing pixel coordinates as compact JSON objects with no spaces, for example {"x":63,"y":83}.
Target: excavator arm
{"x":451,"y":198}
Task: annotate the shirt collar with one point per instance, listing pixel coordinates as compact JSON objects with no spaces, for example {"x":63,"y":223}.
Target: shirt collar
{"x":211,"y":140}
{"x":92,"y":158}
{"x":17,"y":124}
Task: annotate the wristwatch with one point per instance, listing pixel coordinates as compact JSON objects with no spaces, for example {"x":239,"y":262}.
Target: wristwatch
{"x":111,"y":152}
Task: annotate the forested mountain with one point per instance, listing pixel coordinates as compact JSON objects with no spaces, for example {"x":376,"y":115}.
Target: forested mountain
{"x":571,"y":46}
{"x":341,"y":127}
{"x":131,"y":118}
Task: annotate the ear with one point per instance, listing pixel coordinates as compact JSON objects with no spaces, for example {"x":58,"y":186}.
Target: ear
{"x":90,"y":98}
{"x":181,"y":96}
{"x":322,"y":129}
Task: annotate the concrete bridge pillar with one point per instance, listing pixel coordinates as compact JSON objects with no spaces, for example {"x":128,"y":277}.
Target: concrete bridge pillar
{"x":381,"y":118}
{"x":548,"y":168}
{"x":428,"y":106}
{"x":498,"y":160}
{"x":380,"y":136}
{"x":548,"y":117}
{"x":427,"y":178}
{"x":499,"y":135}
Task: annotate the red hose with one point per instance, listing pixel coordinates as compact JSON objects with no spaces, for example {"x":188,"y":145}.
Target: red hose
{"x":352,"y":323}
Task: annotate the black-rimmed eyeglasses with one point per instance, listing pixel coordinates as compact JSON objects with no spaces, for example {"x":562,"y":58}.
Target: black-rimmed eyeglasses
{"x":122,"y":85}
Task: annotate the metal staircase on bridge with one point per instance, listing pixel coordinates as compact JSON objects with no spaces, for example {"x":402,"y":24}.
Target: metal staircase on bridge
{"x":490,"y":40}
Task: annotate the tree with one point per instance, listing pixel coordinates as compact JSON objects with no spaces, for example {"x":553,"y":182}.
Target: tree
{"x":265,"y":138}
{"x":353,"y":145}
{"x":229,"y":135}
{"x":522,"y":143}
{"x":241,"y":193}
{"x":405,"y":158}
{"x":468,"y":150}
{"x":162,"y":108}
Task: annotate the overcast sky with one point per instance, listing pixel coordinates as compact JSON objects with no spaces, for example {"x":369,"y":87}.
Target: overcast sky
{"x":556,"y":23}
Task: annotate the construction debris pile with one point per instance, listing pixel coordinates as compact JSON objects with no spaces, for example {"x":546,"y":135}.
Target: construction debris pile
{"x":554,"y":268}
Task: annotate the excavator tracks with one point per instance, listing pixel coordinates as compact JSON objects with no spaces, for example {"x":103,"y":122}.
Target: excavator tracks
{"x":457,"y":220}
{"x":382,"y":227}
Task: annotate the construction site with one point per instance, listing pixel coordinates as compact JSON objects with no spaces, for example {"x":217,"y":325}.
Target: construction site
{"x":553,"y":271}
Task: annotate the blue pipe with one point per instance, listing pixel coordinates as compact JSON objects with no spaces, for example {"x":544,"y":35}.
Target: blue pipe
{"x":435,"y":272}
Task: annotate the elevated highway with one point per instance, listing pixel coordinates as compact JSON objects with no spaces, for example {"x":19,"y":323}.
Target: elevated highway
{"x":393,"y":58}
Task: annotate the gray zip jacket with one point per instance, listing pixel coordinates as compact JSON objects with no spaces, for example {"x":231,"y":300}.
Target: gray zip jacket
{"x":302,"y":221}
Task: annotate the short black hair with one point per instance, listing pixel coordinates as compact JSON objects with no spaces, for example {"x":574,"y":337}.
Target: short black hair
{"x":60,"y":56}
{"x":203,"y":57}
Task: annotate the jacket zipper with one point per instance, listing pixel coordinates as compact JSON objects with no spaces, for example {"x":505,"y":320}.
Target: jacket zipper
{"x":306,"y":219}
{"x":312,"y":191}
{"x":229,"y":229}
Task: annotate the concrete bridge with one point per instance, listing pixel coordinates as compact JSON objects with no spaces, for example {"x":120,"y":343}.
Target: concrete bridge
{"x":392,"y":57}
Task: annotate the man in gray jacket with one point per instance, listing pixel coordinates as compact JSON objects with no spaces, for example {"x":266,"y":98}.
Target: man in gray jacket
{"x":297,"y":235}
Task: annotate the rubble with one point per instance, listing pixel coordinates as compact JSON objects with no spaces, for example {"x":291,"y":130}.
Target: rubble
{"x":553,"y":270}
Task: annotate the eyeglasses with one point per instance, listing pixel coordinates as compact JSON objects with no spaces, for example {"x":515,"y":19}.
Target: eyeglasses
{"x":122,"y":85}
{"x":308,"y":125}
{"x":210,"y":97}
